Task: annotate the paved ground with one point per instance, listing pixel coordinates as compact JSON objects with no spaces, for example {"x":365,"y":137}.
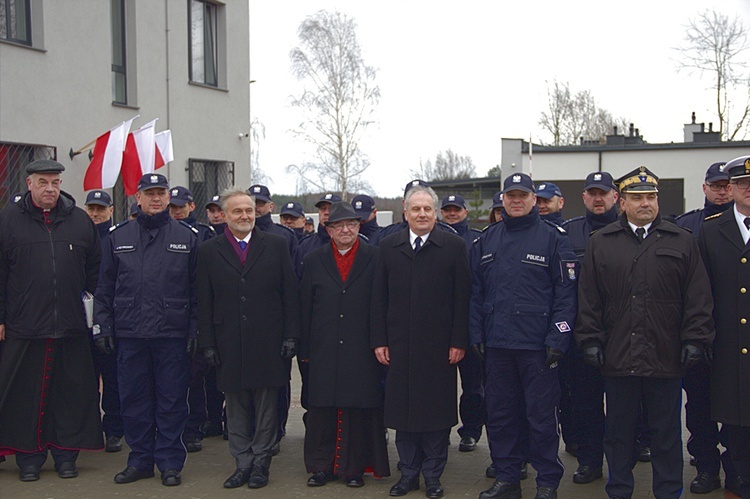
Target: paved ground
{"x":205,"y":472}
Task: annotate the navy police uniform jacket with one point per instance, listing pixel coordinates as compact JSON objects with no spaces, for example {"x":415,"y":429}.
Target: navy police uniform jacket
{"x":205,"y":232}
{"x":147,"y":280}
{"x":523,"y":285}
{"x":266,"y":224}
{"x":692,"y":220}
{"x":579,"y":229}
{"x":467,"y":233}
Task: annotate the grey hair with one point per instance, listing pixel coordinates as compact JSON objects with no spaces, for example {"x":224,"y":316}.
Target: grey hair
{"x":230,"y":193}
{"x":420,"y":188}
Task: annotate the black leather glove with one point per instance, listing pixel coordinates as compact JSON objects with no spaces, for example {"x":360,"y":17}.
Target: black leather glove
{"x":553,"y":355}
{"x":478,"y":349}
{"x":288,"y":348}
{"x":211,"y":355}
{"x":192,"y":346}
{"x":691,"y":355}
{"x":105,"y":344}
{"x":594,"y":356}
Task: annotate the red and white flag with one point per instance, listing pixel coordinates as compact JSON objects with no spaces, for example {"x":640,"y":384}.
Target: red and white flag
{"x":138,"y":158}
{"x":104,"y":168}
{"x":164,"y":150}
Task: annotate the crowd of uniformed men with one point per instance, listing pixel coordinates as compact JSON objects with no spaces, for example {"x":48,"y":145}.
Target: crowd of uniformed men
{"x":542,"y":317}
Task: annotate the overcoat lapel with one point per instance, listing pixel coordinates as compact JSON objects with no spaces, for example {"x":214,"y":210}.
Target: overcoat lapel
{"x":257,"y":245}
{"x":227,"y":252}
{"x":728,"y":228}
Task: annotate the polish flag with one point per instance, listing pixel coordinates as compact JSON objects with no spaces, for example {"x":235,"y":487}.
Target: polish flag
{"x":164,"y":150}
{"x":104,"y":168}
{"x":138,"y":158}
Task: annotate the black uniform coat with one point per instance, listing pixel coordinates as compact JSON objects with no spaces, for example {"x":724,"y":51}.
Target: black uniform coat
{"x":727,"y":260}
{"x":420,"y":309}
{"x":247,"y":311}
{"x":336,"y":330}
{"x":641,"y":302}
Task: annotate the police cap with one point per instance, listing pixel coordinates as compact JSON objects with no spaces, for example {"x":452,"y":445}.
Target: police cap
{"x":260,"y":192}
{"x":518,"y":182}
{"x":328,"y":198}
{"x":548,"y":190}
{"x":293,"y":208}
{"x":599,"y":180}
{"x":717,"y":172}
{"x":180,"y":196}
{"x":152,"y":181}
{"x":453,"y":200}
{"x":363,"y":205}
{"x":738,"y":167}
{"x":98,"y":197}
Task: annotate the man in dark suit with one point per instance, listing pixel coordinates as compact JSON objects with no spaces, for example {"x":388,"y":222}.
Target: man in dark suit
{"x":344,"y":432}
{"x":723,"y":242}
{"x":419,"y":328}
{"x":249,"y":328}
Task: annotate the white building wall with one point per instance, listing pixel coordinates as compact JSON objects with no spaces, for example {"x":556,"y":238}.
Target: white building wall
{"x":61,"y":94}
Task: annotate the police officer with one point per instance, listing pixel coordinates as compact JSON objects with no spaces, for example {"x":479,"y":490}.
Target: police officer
{"x":644,"y":316}
{"x":99,"y":209}
{"x":523,"y":307}
{"x":723,"y":242}
{"x":182,"y":207}
{"x":309,"y":226}
{"x":213,"y":214}
{"x":550,"y":201}
{"x":321,"y":237}
{"x":704,"y":433}
{"x":585,"y":382}
{"x":496,"y":210}
{"x":292,"y":215}
{"x":146,"y":299}
{"x":471,"y":405}
{"x":364,"y":205}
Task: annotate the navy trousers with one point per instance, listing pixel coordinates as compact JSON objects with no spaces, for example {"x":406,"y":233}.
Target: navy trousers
{"x":587,"y":411}
{"x":704,"y":433}
{"x":662,"y":400}
{"x":471,"y":404}
{"x":153,"y":376}
{"x":105,"y":366}
{"x":513,"y":376}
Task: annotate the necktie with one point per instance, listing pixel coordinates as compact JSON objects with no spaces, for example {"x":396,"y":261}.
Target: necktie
{"x":417,"y":244}
{"x":243,"y":245}
{"x":746,"y":221}
{"x":641,"y":233}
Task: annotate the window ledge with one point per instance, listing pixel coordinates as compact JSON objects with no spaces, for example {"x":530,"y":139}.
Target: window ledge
{"x":125,"y":106}
{"x":22,"y":45}
{"x":203,"y":85}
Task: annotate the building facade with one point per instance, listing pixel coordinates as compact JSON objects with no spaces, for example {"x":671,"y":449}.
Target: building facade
{"x":71,"y":70}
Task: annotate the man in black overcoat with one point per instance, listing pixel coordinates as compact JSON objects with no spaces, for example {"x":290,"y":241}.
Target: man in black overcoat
{"x":248,"y":328}
{"x":420,"y":317}
{"x":723,"y":242}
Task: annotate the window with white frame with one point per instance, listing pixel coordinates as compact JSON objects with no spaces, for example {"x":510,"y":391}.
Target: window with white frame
{"x":206,"y":38}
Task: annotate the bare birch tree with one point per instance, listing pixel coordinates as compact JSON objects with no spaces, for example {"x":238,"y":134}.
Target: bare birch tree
{"x":716,"y":45}
{"x":338,"y":100}
{"x":448,"y":165}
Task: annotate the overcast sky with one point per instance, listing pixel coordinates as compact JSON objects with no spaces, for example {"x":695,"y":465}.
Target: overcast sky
{"x":463,"y":75}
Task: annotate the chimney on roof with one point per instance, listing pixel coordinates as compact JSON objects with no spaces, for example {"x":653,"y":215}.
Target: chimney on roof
{"x":710,"y":126}
{"x":631,"y":130}
{"x":693,"y":122}
{"x":614,"y":130}
{"x":689,"y":129}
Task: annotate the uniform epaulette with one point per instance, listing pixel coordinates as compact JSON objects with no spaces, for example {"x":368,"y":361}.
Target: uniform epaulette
{"x":715,"y":215}
{"x":686,"y":229}
{"x":491,"y":225}
{"x":285,"y":227}
{"x":553,"y":224}
{"x":114,"y":227}
{"x":574,"y":219}
{"x":447,"y":227}
{"x":364,"y":237}
{"x":195,"y":231}
{"x":208,"y":227}
{"x":687,"y":213}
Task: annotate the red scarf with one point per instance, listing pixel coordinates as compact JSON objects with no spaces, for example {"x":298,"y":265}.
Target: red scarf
{"x":344,"y":262}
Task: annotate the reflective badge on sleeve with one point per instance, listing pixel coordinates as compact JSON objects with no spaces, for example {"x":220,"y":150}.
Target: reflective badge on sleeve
{"x":563,"y":326}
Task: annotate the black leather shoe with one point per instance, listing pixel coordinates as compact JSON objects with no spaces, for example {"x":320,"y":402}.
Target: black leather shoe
{"x":275,"y":448}
{"x":258,"y":477}
{"x":238,"y":478}
{"x":193,"y":444}
{"x":524,"y":471}
{"x":644,"y":455}
{"x":705,"y":482}
{"x":29,"y":473}
{"x":354,"y":481}
{"x":502,"y":490}
{"x":467,"y":444}
{"x":405,"y":485}
{"x":490,"y":472}
{"x":67,"y":469}
{"x":114,"y":444}
{"x":321,"y":478}
{"x":170,"y":478}
{"x":132,"y":474}
{"x":546,"y":493}
{"x":586,"y":474}
{"x":433,"y":487}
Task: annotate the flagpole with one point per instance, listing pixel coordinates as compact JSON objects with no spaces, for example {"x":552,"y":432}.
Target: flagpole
{"x":90,"y":145}
{"x":531,"y":148}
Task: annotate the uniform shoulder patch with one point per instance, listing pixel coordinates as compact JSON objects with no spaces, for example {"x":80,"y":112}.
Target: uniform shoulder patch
{"x":715,"y":215}
{"x":571,"y":220}
{"x":208,"y":228}
{"x":195,"y":231}
{"x":447,"y":227}
{"x":121,"y":224}
{"x":553,"y":224}
{"x":687,"y":213}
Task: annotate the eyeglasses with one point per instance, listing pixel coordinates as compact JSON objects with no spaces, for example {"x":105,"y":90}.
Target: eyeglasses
{"x":350,"y":224}
{"x":719,"y":187}
{"x":741,"y":184}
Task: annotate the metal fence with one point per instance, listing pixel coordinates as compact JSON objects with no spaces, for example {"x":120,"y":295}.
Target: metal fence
{"x":13,"y":160}
{"x":207,"y":178}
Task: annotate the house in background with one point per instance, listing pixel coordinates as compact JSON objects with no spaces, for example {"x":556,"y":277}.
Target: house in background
{"x":70,"y":71}
{"x":681,"y":166}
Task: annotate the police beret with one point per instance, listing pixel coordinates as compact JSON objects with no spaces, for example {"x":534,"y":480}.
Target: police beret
{"x":44,"y":166}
